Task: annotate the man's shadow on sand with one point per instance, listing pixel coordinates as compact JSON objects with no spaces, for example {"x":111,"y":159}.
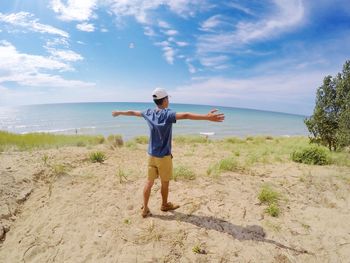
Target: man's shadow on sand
{"x":241,"y":233}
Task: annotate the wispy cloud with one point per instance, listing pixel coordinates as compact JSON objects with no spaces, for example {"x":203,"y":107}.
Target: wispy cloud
{"x":286,"y":15}
{"x":27,"y":21}
{"x":140,"y":8}
{"x":163,"y":24}
{"x":65,"y":55}
{"x":181,"y":43}
{"x":240,"y":7}
{"x":215,"y":61}
{"x":192,"y":69}
{"x":171,"y":32}
{"x":86,"y":27}
{"x":212,"y":23}
{"x":28,"y":70}
{"x":75,"y":10}
{"x":169,"y":54}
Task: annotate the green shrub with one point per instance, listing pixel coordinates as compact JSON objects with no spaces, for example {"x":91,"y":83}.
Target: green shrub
{"x":122,"y":176}
{"x":59,"y":169}
{"x":268,"y":195}
{"x":234,"y":140}
{"x":99,"y":157}
{"x":228,"y":164}
{"x":99,"y":139}
{"x":131,"y":144}
{"x":182,"y":172}
{"x":115,"y":140}
{"x":31,"y":141}
{"x":198,"y":250}
{"x":312,"y":155}
{"x":190,"y":139}
{"x":249,"y":138}
{"x":273,"y":210}
{"x":141,"y":139}
{"x":81,"y":144}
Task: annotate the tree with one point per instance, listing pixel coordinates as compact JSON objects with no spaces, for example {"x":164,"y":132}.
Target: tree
{"x":330,"y":122}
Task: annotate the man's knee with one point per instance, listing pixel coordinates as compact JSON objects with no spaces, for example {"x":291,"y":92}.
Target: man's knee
{"x":149,"y":183}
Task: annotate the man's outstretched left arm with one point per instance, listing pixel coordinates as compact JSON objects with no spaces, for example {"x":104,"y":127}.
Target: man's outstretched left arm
{"x":211,"y":116}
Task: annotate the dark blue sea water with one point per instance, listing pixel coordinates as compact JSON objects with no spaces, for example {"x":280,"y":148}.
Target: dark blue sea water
{"x":96,"y":118}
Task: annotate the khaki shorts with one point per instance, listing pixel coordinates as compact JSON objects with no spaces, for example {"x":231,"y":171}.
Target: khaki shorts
{"x":160,"y":167}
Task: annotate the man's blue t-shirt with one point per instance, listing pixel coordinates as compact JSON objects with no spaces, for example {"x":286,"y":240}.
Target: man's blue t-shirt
{"x":160,"y":122}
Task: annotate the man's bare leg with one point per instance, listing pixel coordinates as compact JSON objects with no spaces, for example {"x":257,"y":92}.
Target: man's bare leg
{"x":166,"y":206}
{"x":165,"y":192}
{"x":146,"y":194}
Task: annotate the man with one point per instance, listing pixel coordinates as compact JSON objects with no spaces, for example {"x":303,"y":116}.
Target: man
{"x":160,"y":163}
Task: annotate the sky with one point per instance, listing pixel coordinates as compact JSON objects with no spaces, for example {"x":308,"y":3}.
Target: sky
{"x":269,"y":55}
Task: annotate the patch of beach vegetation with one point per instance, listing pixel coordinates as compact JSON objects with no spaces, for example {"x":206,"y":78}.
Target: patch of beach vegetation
{"x":229,"y":164}
{"x":183,"y":173}
{"x":115,"y":140}
{"x":316,"y":155}
{"x":31,"y":141}
{"x":97,"y":157}
{"x":270,"y":197}
{"x":185,"y":139}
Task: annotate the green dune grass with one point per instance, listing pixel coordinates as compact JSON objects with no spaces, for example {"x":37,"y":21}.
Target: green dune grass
{"x":44,"y":140}
{"x":246,"y":152}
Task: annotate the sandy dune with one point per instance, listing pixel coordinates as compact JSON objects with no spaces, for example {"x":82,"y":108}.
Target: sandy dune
{"x":57,"y":206}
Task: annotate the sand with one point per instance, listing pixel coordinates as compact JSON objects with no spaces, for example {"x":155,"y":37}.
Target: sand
{"x":57,"y":206}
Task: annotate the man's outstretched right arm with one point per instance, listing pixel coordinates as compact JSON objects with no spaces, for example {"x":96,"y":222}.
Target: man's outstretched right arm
{"x":126,"y":113}
{"x":211,"y":116}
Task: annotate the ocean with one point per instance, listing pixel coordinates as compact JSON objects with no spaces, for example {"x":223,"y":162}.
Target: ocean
{"x":96,"y":119}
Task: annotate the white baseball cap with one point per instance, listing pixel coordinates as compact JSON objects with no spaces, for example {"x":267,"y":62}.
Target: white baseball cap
{"x":159,"y":93}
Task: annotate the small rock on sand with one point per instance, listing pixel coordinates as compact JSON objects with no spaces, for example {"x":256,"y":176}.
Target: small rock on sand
{"x":2,"y":232}
{"x":4,"y":211}
{"x":24,"y":195}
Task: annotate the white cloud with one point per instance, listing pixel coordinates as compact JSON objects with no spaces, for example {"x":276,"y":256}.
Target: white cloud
{"x":75,"y":10}
{"x":13,"y":61}
{"x":187,"y":8}
{"x":28,"y":70}
{"x":171,"y":32}
{"x":211,"y":23}
{"x":288,"y":15}
{"x":66,"y":55}
{"x":168,"y":51}
{"x":162,"y":43}
{"x":148,"y":31}
{"x":86,"y":27}
{"x":140,"y":8}
{"x":217,"y":62}
{"x":190,"y":67}
{"x":181,"y":43}
{"x":163,"y":24}
{"x":169,"y":54}
{"x":26,"y":21}
{"x":57,"y":42}
{"x":239,"y":7}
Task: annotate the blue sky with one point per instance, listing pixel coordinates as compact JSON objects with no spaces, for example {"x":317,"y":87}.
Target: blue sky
{"x":269,"y":55}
